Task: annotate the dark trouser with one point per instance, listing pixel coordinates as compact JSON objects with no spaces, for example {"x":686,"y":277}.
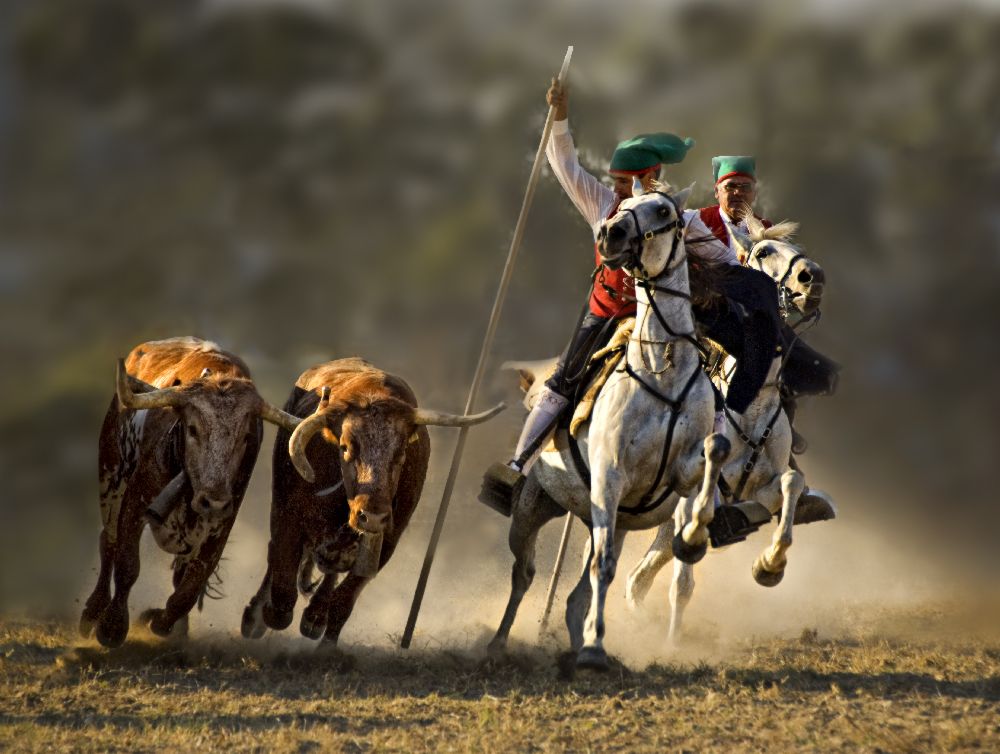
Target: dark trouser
{"x":807,"y":371}
{"x":592,"y":335}
{"x":745,"y":322}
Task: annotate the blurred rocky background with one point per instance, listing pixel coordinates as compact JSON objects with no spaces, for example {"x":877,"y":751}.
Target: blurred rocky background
{"x":305,"y":180}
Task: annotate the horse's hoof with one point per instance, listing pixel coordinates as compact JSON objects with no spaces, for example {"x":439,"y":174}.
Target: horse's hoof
{"x":277,"y":620}
{"x":593,"y":658}
{"x":252,"y":626}
{"x":764,"y":577}
{"x":312,"y":626}
{"x":112,"y":629}
{"x":686,"y":553}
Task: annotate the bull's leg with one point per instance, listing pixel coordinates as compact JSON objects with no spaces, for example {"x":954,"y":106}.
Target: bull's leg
{"x":99,"y":599}
{"x":640,"y":580}
{"x":252,"y":626}
{"x":194,"y":576}
{"x":691,"y":540}
{"x":342,"y":604}
{"x":284,"y":555}
{"x":532,"y":510}
{"x":769,"y":567}
{"x":316,"y":614}
{"x":112,"y":627}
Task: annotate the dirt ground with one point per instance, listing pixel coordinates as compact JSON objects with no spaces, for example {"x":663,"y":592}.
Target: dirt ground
{"x":899,"y":680}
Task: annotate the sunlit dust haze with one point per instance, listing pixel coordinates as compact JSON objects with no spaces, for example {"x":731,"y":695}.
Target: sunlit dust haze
{"x":302,"y":181}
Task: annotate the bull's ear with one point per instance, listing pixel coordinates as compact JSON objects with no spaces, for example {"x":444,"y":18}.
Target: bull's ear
{"x":413,"y":438}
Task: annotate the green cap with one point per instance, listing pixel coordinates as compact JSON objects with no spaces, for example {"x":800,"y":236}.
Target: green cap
{"x":635,"y":156}
{"x":727,"y":166}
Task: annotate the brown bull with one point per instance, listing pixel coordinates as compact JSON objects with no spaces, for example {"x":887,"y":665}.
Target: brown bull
{"x":176,"y":450}
{"x":367,"y":442}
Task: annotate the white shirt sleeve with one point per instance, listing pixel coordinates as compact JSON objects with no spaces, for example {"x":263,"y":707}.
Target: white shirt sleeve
{"x":592,"y":198}
{"x":710,"y":250}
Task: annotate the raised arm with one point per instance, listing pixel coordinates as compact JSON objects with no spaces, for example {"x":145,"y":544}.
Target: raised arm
{"x":592,"y":198}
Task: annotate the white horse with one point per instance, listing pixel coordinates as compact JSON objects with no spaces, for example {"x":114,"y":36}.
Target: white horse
{"x":758,"y":469}
{"x":648,"y":436}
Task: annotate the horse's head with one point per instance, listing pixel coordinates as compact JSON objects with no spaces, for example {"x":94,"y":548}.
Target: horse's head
{"x":799,"y":279}
{"x":646,"y":235}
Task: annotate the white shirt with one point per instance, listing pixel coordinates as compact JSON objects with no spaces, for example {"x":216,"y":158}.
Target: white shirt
{"x":594,"y":200}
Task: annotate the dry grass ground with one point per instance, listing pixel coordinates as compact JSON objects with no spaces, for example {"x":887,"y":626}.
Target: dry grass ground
{"x":899,"y":680}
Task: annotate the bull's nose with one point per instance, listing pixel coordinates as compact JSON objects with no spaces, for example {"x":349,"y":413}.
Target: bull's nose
{"x":373,"y":523}
{"x":209,"y":505}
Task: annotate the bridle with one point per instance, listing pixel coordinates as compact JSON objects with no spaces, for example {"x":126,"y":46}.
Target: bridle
{"x":786,"y":295}
{"x":634,"y":253}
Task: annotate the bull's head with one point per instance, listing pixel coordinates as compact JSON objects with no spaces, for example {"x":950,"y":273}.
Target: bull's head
{"x":218,"y":418}
{"x":371,"y":437}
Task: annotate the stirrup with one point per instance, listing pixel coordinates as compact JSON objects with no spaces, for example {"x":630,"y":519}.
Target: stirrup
{"x":812,"y":506}
{"x":502,"y":486}
{"x":734,"y":522}
{"x":799,"y":443}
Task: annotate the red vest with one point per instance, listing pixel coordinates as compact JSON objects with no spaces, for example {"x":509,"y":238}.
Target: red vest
{"x":613,"y":303}
{"x":711,"y":217}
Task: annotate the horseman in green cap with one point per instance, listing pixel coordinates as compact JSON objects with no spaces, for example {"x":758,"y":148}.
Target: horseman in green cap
{"x":635,"y":162}
{"x":806,"y":372}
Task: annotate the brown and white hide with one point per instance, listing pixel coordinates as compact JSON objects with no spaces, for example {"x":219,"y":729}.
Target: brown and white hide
{"x":206,"y":436}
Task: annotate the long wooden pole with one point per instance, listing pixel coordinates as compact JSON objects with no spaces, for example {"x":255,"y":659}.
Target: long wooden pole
{"x":456,"y":459}
{"x":556,"y":570}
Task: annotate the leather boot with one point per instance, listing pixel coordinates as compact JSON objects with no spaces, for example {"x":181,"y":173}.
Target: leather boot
{"x":502,"y":482}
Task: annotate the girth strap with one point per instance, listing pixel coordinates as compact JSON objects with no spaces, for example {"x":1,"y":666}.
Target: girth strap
{"x":756,"y":448}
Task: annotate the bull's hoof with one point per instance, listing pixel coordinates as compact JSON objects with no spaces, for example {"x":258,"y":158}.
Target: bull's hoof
{"x":112,"y":628}
{"x":764,"y":577}
{"x":155,"y":619}
{"x":252,"y":626}
{"x":686,"y":553}
{"x":313,"y":624}
{"x":277,"y":620}
{"x":502,"y":485}
{"x":593,"y":658}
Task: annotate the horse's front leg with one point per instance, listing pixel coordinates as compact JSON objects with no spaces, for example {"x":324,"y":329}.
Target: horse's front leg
{"x":606,"y":490}
{"x":691,"y":541}
{"x":769,"y":567}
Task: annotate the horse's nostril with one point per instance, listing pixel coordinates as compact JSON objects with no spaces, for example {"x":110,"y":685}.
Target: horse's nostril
{"x":616,"y":232}
{"x":362,"y":517}
{"x":805,"y":277}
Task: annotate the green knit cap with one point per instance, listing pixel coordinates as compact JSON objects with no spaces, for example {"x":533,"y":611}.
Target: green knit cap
{"x":728,"y":166}
{"x":635,"y":156}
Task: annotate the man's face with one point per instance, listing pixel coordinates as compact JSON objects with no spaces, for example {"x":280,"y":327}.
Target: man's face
{"x":736,"y":195}
{"x":623,"y":183}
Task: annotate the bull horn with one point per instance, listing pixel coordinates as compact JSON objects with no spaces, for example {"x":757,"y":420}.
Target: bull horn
{"x":154,"y":398}
{"x":304,"y":432}
{"x":278,"y":417}
{"x":438,"y":419}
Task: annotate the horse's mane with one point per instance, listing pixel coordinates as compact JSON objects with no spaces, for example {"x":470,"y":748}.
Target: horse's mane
{"x":782,"y":231}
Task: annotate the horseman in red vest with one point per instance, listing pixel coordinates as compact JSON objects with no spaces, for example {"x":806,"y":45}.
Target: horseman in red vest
{"x":745,"y":323}
{"x":806,"y":372}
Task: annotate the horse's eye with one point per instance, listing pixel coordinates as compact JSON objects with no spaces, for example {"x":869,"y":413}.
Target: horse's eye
{"x":762,"y":253}
{"x":663,"y":212}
